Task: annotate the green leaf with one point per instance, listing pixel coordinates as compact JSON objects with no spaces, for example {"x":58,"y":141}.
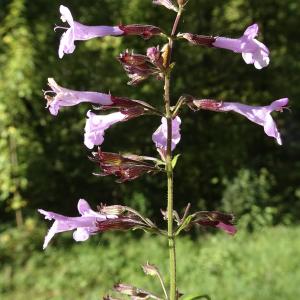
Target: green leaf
{"x":174,"y":160}
{"x":186,"y":222}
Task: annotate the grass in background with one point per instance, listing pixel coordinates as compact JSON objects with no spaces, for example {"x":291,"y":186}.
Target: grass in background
{"x":263,"y":265}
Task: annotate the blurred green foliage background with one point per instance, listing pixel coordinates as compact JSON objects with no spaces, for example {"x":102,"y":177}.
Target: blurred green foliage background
{"x":227,"y":162}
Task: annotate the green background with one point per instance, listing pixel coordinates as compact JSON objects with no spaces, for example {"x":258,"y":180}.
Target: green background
{"x":226,"y":163}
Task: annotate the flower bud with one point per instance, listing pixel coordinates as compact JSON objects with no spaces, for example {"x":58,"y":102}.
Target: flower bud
{"x":138,"y":67}
{"x":132,"y":59}
{"x":151,"y":270}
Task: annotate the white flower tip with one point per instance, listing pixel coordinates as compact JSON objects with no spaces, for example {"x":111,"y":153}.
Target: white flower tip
{"x":82,"y":201}
{"x":43,"y":212}
{"x":89,"y":113}
{"x":259,"y":64}
{"x":80,"y":235}
{"x":88,"y":143}
{"x":66,"y":15}
{"x":52,"y":82}
{"x":63,"y":8}
{"x":60,"y":54}
{"x":53,"y":110}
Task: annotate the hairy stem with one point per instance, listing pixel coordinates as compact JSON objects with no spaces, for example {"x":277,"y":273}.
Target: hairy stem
{"x":169,"y":168}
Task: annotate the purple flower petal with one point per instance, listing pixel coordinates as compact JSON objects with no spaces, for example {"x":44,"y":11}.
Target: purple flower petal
{"x":217,"y":219}
{"x":159,"y":137}
{"x":83,"y":207}
{"x":81,"y":235}
{"x":97,"y":124}
{"x":252,"y":31}
{"x":230,"y":229}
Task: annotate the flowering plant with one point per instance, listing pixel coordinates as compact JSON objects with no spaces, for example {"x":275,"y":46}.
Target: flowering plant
{"x":156,"y":62}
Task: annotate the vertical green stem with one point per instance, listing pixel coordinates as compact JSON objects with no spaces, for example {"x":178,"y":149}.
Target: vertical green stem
{"x":169,"y":168}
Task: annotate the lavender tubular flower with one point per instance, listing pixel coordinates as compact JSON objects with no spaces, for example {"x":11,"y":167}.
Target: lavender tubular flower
{"x":84,"y":226}
{"x":80,"y":32}
{"x":59,"y":97}
{"x":159,"y":137}
{"x":89,"y":223}
{"x":97,"y":124}
{"x":66,"y":97}
{"x":260,"y":115}
{"x":253,"y":51}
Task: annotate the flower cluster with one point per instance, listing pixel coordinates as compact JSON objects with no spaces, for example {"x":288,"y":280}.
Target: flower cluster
{"x":96,"y":125}
{"x":126,"y":167}
{"x":157,"y":63}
